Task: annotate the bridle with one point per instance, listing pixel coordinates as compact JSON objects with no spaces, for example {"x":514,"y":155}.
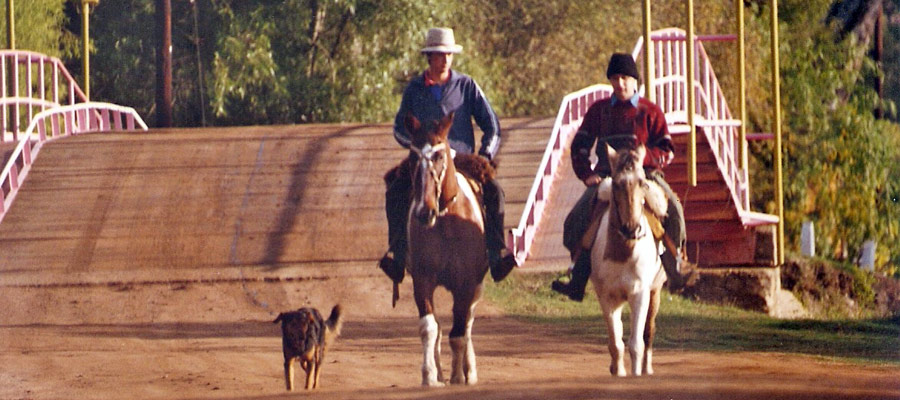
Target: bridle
{"x":639,"y":232}
{"x":426,"y":161}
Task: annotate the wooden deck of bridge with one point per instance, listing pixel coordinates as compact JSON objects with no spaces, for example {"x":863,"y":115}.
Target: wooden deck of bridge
{"x":200,"y":202}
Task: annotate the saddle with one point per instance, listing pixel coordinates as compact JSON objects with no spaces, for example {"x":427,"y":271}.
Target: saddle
{"x":476,"y":169}
{"x":590,"y":234}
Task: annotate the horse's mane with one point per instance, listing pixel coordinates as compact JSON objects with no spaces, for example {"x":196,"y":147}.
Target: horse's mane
{"x":655,"y":199}
{"x":604,"y":189}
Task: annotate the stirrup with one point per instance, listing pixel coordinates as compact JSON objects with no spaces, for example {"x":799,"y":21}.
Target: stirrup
{"x":388,"y":265}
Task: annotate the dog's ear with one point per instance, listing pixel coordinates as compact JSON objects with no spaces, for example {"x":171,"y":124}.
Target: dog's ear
{"x":278,"y":318}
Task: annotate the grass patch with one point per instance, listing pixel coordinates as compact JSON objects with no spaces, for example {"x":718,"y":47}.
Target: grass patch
{"x":693,"y":326}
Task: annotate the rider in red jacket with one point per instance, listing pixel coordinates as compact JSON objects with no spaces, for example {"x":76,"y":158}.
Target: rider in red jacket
{"x":623,"y":120}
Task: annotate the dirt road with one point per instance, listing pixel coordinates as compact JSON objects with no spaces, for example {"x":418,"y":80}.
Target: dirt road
{"x":202,"y":339}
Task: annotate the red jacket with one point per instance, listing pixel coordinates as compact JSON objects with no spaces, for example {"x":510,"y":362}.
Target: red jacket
{"x":620,"y":123}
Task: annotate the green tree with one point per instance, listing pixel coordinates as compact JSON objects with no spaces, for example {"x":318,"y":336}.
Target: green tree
{"x":40,"y":27}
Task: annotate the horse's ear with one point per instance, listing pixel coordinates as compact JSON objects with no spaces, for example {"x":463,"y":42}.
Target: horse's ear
{"x":444,"y":125}
{"x":641,"y":151}
{"x":611,"y":156}
{"x":412,"y":123}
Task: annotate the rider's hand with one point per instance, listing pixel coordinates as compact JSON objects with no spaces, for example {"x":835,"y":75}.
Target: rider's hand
{"x":666,"y":159}
{"x":592,"y":180}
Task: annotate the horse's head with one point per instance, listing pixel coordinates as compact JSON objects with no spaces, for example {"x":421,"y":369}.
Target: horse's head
{"x":429,"y":142}
{"x":629,"y":185}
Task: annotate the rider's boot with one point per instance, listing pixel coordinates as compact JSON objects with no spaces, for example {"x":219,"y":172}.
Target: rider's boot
{"x":500,"y":260}
{"x":581,"y":271}
{"x":393,"y":263}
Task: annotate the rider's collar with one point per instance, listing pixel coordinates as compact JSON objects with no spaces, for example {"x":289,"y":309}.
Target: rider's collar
{"x":633,"y":100}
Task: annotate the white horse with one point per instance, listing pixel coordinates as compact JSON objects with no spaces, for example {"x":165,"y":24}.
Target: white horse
{"x":625,"y":259}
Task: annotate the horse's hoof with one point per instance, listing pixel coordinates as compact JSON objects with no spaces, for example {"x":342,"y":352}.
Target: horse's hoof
{"x":433,"y":384}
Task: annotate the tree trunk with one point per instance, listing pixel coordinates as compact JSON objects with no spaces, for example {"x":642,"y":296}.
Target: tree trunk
{"x":316,"y":22}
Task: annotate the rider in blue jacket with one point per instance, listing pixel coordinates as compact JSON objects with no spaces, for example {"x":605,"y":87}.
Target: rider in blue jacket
{"x":435,"y":93}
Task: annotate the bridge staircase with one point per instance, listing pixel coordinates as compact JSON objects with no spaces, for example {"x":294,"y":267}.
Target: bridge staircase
{"x":722,"y":230}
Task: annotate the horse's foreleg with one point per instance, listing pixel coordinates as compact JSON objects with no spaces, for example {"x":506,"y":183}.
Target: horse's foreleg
{"x":616,"y":344}
{"x":470,"y":370}
{"x":464,"y":370}
{"x":640,"y":303}
{"x":650,"y":331}
{"x":430,"y":333}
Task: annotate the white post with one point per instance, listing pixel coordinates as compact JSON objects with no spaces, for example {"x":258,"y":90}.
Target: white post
{"x":867,"y":255}
{"x":808,"y":239}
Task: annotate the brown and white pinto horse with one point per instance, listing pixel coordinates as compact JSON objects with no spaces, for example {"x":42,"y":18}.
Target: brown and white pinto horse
{"x":625,"y":263}
{"x":446,"y":248}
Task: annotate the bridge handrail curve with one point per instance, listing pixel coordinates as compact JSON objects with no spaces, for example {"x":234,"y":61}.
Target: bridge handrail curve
{"x":45,"y":86}
{"x":76,"y":119}
{"x":721,"y":128}
{"x":568,"y":118}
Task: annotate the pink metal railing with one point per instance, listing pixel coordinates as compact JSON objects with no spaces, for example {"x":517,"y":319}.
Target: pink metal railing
{"x":571,"y":111}
{"x":30,"y":83}
{"x":55,"y":123}
{"x":36,"y":96}
{"x":669,"y":85}
{"x":711,"y":109}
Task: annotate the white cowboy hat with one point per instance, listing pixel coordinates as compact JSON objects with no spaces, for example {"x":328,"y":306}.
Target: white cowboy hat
{"x":440,"y":40}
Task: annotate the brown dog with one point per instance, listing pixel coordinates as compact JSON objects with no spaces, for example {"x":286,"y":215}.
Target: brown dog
{"x":304,"y":338}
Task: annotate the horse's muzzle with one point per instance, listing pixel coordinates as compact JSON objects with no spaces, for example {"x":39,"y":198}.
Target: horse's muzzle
{"x":631,"y":233}
{"x":427,"y":218}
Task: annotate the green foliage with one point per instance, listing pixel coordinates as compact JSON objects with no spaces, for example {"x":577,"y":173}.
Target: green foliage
{"x":838,"y":158}
{"x":124,"y":54}
{"x":39,"y":27}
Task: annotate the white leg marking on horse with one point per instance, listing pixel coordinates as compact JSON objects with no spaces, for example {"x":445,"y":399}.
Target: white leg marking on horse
{"x":648,"y":361}
{"x":437,"y":354}
{"x":471,"y":370}
{"x":640,"y":303}
{"x":428,"y":331}
{"x":616,"y":344}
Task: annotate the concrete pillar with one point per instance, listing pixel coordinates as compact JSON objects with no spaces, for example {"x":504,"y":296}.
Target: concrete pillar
{"x":867,"y":255}
{"x":808,"y":239}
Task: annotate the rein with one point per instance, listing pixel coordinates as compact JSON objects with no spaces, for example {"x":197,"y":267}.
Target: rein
{"x":638,"y":234}
{"x":425,"y":153}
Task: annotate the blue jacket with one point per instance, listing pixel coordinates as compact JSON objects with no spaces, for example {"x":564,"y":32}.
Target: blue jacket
{"x":461,"y":95}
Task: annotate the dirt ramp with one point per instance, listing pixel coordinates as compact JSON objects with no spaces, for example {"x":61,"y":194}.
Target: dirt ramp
{"x":201,"y":199}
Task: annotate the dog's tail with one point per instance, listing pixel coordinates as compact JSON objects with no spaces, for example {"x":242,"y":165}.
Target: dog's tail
{"x":333,"y":324}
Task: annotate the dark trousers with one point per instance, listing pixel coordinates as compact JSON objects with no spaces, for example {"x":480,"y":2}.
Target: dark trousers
{"x":397,"y":203}
{"x":579,"y":218}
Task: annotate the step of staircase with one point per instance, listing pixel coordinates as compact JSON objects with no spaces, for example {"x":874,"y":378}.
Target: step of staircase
{"x":716,"y":234}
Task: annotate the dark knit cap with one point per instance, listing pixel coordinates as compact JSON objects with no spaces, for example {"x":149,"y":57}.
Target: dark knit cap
{"x":621,"y":63}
